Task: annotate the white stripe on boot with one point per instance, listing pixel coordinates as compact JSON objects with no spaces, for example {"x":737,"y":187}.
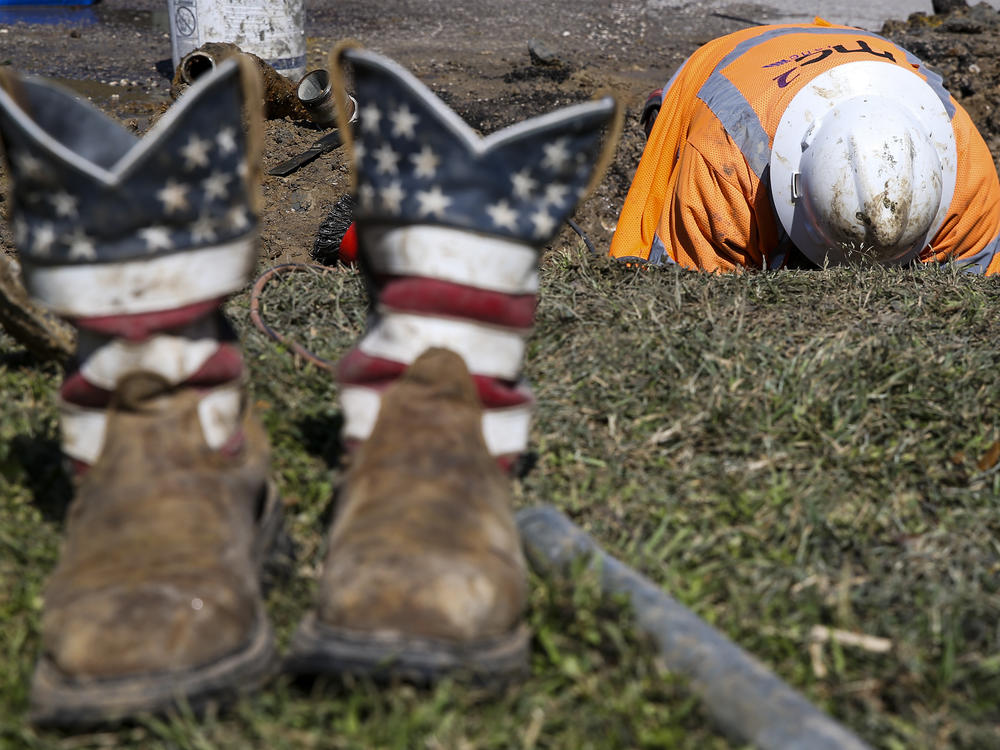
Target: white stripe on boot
{"x":145,"y":284}
{"x":487,"y":350}
{"x":505,"y":430}
{"x":220,"y":413}
{"x":454,"y":255}
{"x":175,"y":357}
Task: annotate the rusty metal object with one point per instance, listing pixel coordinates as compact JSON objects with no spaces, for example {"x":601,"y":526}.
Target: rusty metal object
{"x":746,"y":699}
{"x":280,"y":94}
{"x":316,"y":95}
{"x":39,"y":331}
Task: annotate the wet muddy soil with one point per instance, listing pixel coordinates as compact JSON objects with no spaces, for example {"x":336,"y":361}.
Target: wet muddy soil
{"x":479,"y":61}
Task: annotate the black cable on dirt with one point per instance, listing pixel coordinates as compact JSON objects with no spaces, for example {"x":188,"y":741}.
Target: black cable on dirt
{"x":255,"y":296}
{"x":583,"y":235}
{"x":326,"y":248}
{"x":740,"y":19}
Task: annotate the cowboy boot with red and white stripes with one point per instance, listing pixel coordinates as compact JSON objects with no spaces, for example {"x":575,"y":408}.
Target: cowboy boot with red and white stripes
{"x":450,"y":227}
{"x":156,"y":596}
{"x":424,"y":573}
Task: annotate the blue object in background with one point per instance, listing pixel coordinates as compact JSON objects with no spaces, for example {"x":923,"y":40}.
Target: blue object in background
{"x":45,"y":2}
{"x":75,"y":13}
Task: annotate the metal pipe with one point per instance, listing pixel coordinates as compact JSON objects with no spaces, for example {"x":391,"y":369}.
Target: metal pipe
{"x":195,"y":65}
{"x":316,"y":96}
{"x":280,"y":99}
{"x":746,"y":699}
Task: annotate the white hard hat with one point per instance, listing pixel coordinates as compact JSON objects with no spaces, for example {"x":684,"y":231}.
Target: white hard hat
{"x":863,"y":165}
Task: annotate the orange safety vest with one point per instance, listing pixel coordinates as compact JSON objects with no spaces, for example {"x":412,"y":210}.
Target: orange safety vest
{"x":700,"y":196}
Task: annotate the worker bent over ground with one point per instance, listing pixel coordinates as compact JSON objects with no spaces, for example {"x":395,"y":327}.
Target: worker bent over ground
{"x":809,"y":145}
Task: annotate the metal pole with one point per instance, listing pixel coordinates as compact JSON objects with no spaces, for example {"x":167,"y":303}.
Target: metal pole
{"x":748,"y":701}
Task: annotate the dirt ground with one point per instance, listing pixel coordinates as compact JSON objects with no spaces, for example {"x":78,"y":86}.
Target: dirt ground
{"x":478,"y":61}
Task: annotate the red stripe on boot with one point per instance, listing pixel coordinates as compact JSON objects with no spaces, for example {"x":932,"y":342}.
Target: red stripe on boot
{"x":142,"y":325}
{"x":225,"y":365}
{"x":77,"y":390}
{"x":431,"y":296}
{"x":358,"y":368}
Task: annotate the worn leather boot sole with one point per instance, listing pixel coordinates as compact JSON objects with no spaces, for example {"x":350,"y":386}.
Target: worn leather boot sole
{"x":60,"y":701}
{"x":318,"y":648}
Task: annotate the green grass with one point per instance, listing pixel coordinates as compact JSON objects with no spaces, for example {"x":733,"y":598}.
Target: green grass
{"x":777,"y":451}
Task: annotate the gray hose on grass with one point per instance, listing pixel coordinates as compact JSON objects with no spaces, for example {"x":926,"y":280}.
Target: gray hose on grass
{"x":747,"y":700}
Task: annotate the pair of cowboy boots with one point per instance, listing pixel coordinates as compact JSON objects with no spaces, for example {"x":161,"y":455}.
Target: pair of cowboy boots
{"x":156,"y":597}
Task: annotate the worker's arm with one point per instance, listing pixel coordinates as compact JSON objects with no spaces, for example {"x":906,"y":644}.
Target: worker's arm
{"x":694,"y":200}
{"x":970,"y":234}
{"x":720,"y":217}
{"x":708,"y":219}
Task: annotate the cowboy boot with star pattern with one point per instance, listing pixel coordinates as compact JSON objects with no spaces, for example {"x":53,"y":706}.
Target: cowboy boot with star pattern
{"x":156,"y":598}
{"x":424,"y":573}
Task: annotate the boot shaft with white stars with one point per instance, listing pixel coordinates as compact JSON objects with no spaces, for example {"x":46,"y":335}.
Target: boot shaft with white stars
{"x":450,"y":228}
{"x":137,"y":241}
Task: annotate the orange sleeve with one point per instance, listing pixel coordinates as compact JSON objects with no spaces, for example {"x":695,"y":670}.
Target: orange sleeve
{"x":718,"y":217}
{"x":971,"y":228}
{"x":696,"y":194}
{"x":708,"y":218}
{"x":647,"y":194}
{"x":650,"y":192}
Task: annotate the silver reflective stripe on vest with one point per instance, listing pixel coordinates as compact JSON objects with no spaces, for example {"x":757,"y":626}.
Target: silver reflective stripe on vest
{"x":739,"y":118}
{"x":658,"y":254}
{"x":774,"y":262}
{"x":777,"y":260}
{"x":980,"y":262}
